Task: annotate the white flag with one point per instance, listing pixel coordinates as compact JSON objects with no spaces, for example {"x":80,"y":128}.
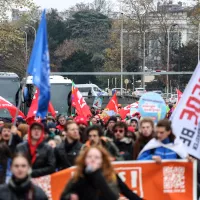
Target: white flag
{"x":186,"y":117}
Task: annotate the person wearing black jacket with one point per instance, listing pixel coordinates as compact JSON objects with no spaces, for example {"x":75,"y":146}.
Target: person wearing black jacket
{"x":41,"y":154}
{"x":69,"y":149}
{"x":124,"y":144}
{"x":95,"y":179}
{"x":20,"y":185}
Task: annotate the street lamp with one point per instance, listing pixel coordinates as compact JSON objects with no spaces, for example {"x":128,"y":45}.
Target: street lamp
{"x":26,"y":47}
{"x":122,"y":50}
{"x":168,"y":45}
{"x":29,"y":26}
{"x":144,"y":58}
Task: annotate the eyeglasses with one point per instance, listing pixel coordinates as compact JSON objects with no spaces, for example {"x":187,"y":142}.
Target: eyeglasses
{"x":119,"y":130}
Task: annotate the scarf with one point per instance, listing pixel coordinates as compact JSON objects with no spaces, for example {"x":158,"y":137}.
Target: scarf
{"x":33,"y":148}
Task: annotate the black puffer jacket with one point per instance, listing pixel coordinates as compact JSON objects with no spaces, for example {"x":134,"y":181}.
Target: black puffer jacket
{"x":45,"y":159}
{"x":21,"y":190}
{"x":66,"y":154}
{"x":125,"y":147}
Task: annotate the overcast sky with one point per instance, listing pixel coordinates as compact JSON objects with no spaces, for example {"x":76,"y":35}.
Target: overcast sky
{"x":65,"y":4}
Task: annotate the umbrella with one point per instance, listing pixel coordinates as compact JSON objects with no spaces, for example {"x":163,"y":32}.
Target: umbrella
{"x":4,"y":104}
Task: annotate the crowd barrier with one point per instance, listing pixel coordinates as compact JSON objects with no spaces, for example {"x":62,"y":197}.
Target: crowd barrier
{"x":170,"y":180}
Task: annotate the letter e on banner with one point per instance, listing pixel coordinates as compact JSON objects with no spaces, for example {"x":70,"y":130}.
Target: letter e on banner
{"x":186,"y":117}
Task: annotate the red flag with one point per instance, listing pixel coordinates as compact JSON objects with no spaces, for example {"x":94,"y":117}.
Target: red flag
{"x":126,"y":110}
{"x":179,"y":94}
{"x":113,"y":104}
{"x":4,"y":104}
{"x":34,"y":106}
{"x":78,"y":102}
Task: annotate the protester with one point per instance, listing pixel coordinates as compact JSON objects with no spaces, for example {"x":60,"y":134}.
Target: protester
{"x":63,"y":135}
{"x":95,"y":179}
{"x":119,"y":118}
{"x":41,"y":154}
{"x":68,"y":150}
{"x":50,"y":119}
{"x":131,"y":133}
{"x":19,"y":121}
{"x":23,"y":129}
{"x":164,"y":145}
{"x":10,"y":137}
{"x":134,"y":122}
{"x":20,"y":185}
{"x":146,"y":134}
{"x":62,"y":122}
{"x":124,"y":144}
{"x":82,"y":123}
{"x":58,"y":140}
{"x":110,"y":124}
{"x":96,"y":138}
{"x":93,"y":121}
{"x":5,"y":162}
{"x":52,"y":129}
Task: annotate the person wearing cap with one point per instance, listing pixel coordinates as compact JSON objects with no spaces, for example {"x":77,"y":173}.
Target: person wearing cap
{"x":39,"y":153}
{"x":62,"y":122}
{"x":50,"y":119}
{"x":134,"y":122}
{"x":69,"y":149}
{"x":110,"y":124}
{"x":53,"y":131}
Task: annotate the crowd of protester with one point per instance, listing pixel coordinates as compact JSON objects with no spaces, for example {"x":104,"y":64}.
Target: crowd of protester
{"x":51,"y":145}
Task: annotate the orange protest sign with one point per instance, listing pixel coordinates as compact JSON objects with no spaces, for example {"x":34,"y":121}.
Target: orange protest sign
{"x":170,"y":180}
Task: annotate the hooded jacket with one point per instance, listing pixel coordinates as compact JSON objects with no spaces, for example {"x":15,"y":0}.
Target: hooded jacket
{"x":41,"y":156}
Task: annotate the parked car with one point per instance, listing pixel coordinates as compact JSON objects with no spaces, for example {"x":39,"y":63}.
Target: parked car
{"x":90,"y":90}
{"x":139,"y":92}
{"x":173,"y":99}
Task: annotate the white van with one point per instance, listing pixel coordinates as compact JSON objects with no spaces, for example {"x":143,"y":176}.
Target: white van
{"x":90,"y":90}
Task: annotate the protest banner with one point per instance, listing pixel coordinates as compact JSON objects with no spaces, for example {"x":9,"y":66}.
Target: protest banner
{"x":170,"y":180}
{"x":152,"y":105}
{"x":186,"y":117}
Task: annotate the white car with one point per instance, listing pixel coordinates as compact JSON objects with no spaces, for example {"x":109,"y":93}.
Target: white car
{"x":173,"y":99}
{"x":139,"y":92}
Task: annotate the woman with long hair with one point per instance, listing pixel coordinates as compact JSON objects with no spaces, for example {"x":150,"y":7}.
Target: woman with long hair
{"x":95,"y":178}
{"x":20,"y":185}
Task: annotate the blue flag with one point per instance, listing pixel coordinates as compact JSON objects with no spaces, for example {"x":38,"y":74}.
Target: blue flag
{"x":39,"y":67}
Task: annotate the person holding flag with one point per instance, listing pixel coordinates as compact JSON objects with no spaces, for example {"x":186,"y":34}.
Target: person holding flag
{"x":41,"y":154}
